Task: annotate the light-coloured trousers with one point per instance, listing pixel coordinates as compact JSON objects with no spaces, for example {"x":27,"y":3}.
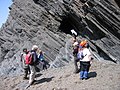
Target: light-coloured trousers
{"x":32,"y":74}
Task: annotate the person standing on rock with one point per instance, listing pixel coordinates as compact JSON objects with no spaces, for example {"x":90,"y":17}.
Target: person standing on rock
{"x":33,"y":64}
{"x":85,"y":60}
{"x":25,"y":66}
{"x":42,"y":60}
{"x":75,"y":50}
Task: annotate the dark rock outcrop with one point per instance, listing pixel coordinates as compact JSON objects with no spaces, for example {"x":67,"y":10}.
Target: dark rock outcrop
{"x":47,"y":24}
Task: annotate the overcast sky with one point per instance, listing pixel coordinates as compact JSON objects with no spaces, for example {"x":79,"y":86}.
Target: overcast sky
{"x":4,"y":11}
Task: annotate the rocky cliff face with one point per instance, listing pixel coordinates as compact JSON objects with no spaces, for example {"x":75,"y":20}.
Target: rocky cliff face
{"x":47,"y":23}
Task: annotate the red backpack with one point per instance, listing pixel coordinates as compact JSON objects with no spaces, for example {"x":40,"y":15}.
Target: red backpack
{"x":29,"y":58}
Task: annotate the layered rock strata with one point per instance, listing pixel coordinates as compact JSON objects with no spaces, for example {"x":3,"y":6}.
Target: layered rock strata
{"x":47,"y":23}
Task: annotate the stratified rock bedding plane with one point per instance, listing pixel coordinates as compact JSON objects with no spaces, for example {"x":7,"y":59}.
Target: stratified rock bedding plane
{"x":47,"y":23}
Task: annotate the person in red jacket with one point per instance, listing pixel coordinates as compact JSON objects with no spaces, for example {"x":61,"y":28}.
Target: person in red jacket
{"x":25,"y":66}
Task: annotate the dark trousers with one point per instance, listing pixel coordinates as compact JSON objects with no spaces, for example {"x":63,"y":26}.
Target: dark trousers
{"x":75,"y":64}
{"x":84,"y":66}
{"x":26,"y":71}
{"x":45,"y":64}
{"x":84,"y":69}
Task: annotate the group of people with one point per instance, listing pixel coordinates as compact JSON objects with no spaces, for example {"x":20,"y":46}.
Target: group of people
{"x":82,"y":55}
{"x":37,"y":58}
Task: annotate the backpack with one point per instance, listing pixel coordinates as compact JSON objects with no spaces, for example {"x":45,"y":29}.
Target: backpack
{"x":80,"y":55}
{"x":29,"y":58}
{"x":75,"y":50}
{"x":41,"y":58}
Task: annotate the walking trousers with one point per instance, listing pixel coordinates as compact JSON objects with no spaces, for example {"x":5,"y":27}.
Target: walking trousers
{"x":32,"y":74}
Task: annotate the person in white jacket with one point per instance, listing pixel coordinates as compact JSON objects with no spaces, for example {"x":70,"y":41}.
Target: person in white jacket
{"x":85,"y":62}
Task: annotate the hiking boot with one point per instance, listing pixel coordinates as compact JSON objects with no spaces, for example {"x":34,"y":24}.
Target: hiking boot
{"x":33,"y":82}
{"x":77,"y":71}
{"x":81,"y":78}
{"x":25,"y":78}
{"x":86,"y":78}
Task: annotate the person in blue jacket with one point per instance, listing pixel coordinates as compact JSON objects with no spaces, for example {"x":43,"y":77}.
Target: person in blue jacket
{"x":42,"y":60}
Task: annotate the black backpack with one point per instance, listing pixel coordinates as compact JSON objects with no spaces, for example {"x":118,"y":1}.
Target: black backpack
{"x":75,"y":50}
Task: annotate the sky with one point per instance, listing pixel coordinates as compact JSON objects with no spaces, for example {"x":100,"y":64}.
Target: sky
{"x":4,"y":10}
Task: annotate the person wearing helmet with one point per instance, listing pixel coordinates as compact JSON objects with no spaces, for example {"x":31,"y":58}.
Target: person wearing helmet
{"x":85,"y":61}
{"x":84,"y":43}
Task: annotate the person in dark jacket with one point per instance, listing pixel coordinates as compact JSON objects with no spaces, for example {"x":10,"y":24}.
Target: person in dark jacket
{"x":33,"y":65}
{"x":75,"y":51}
